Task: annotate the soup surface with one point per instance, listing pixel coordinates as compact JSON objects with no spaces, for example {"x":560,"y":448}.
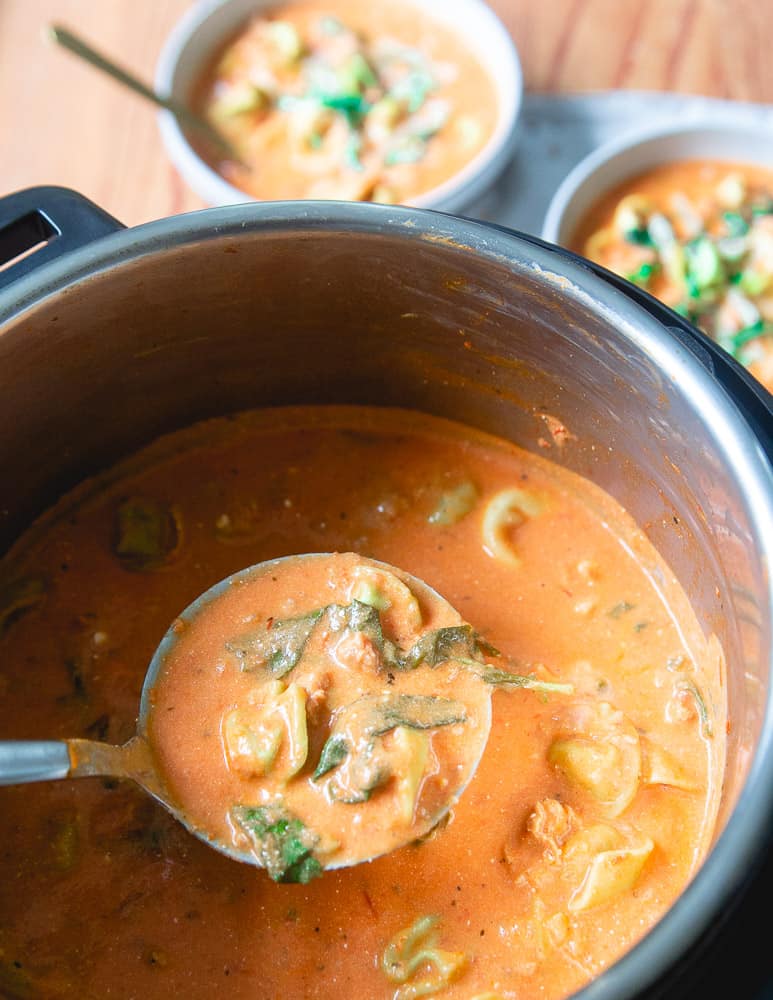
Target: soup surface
{"x":699,"y":236}
{"x":588,"y":813}
{"x":345,"y":100}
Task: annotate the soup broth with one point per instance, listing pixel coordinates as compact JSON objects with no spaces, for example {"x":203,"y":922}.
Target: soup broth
{"x":586,"y":818}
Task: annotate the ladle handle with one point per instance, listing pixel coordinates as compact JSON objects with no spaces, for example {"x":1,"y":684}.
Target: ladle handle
{"x":22,"y":761}
{"x":187,"y":118}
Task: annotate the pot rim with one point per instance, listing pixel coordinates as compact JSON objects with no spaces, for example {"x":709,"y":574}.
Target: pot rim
{"x":741,"y":844}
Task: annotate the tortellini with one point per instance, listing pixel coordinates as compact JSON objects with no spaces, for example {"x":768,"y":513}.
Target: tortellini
{"x":505,"y":512}
{"x":608,"y":864}
{"x":387,"y":593}
{"x":254,"y":733}
{"x":413,"y":960}
{"x":598,"y":749}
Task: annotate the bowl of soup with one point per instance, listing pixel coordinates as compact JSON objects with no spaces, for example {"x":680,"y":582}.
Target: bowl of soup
{"x":414,"y":102}
{"x":687,"y":215}
{"x":435,"y":394}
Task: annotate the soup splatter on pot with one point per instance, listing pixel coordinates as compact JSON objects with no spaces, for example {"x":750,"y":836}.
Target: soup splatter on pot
{"x":588,"y":813}
{"x":699,"y":236}
{"x":361,"y":102}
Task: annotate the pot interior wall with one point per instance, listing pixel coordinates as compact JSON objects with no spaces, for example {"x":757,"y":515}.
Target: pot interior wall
{"x":274,"y":317}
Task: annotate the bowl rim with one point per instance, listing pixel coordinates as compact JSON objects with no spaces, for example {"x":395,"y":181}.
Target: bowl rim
{"x":645,"y":136}
{"x":461,"y":189}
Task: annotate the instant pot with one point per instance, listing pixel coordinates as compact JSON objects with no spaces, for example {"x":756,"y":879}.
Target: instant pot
{"x":110,"y":337}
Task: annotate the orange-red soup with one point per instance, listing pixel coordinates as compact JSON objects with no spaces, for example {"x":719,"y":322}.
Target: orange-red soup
{"x":345,"y":100}
{"x":588,"y":813}
{"x":699,"y":236}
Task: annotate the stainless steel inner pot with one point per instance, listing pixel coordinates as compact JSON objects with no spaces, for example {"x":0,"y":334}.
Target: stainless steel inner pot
{"x":119,"y":340}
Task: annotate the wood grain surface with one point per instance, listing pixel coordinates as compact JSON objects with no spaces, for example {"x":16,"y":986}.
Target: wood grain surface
{"x":62,"y":123}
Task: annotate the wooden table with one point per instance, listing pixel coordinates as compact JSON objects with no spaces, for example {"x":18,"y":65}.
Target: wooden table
{"x":62,"y":123}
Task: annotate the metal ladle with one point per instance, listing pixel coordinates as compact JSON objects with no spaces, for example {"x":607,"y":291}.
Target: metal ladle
{"x":23,"y":761}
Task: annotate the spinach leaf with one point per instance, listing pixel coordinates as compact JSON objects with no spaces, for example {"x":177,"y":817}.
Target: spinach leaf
{"x":334,"y":752}
{"x":278,"y":646}
{"x":416,"y":711}
{"x":359,"y":617}
{"x":503,"y":678}
{"x":147,"y":534}
{"x":451,"y":643}
{"x":283,"y":844}
{"x":362,"y":722}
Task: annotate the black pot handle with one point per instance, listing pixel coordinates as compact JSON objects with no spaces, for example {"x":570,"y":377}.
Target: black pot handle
{"x":39,"y":224}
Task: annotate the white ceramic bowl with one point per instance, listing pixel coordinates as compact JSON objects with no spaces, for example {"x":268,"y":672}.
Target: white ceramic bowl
{"x":209,"y":23}
{"x":635,"y":152}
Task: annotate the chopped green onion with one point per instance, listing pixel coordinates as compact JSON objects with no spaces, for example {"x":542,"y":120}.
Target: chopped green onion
{"x":692,"y":287}
{"x":641,"y":276}
{"x":759,"y":329}
{"x":348,"y":103}
{"x":638,"y":236}
{"x":704,"y":263}
{"x":736,"y":224}
{"x":754,"y":282}
{"x":356,"y":74}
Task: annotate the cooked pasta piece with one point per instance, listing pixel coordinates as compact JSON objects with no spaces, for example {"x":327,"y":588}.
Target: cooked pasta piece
{"x":504,"y":513}
{"x":413,"y":960}
{"x":598,"y":749}
{"x":610,"y":865}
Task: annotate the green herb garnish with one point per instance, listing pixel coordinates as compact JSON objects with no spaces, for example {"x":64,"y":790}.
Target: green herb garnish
{"x":735,"y":223}
{"x":620,"y":609}
{"x":639,"y":236}
{"x":641,"y":276}
{"x":283,"y":845}
{"x":736,"y":341}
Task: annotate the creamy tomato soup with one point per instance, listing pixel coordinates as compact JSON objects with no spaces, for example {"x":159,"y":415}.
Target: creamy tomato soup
{"x":332,"y":661}
{"x":590,"y":810}
{"x":699,"y":236}
{"x":346,"y":100}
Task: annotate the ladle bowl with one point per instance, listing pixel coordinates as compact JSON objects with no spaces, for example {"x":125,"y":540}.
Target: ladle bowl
{"x":23,"y":761}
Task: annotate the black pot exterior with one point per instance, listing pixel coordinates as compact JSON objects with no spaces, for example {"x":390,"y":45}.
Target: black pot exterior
{"x":147,"y":330}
